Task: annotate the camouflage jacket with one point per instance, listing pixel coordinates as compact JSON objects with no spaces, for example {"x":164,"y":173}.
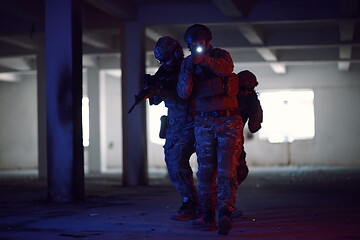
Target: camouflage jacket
{"x":250,"y":109}
{"x":202,"y":83}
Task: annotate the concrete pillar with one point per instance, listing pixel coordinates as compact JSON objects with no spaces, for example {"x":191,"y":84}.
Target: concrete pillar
{"x":134,"y":124}
{"x":41,"y":104}
{"x":64,"y":100}
{"x":96,"y":164}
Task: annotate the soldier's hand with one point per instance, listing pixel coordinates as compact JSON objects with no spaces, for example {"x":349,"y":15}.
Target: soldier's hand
{"x":197,"y":58}
{"x":148,"y":80}
{"x":187,"y":64}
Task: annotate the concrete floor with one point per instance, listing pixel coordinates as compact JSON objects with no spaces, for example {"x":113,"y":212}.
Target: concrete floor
{"x":278,"y":203}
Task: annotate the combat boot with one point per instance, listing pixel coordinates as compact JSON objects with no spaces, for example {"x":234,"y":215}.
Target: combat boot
{"x":187,"y":211}
{"x":209,"y":221}
{"x":197,"y":223}
{"x":225,"y":221}
{"x":206,"y":222}
{"x":237,"y":213}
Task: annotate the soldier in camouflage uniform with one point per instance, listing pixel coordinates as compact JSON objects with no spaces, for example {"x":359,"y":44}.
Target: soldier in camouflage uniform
{"x":218,"y":125}
{"x":249,"y":104}
{"x":178,"y":126}
{"x":251,"y":113}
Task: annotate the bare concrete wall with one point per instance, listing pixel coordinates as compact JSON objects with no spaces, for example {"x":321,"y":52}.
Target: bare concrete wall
{"x":337,"y":117}
{"x":18,"y":125}
{"x":111,"y":104}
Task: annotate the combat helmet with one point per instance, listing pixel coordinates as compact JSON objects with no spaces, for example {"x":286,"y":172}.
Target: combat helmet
{"x":166,"y":46}
{"x":247,"y":79}
{"x":197,"y":32}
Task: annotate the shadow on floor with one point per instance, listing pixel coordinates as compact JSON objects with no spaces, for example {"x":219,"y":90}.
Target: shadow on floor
{"x":278,"y":203}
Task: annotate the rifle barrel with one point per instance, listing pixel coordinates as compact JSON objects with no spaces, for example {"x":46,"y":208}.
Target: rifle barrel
{"x":132,"y":107}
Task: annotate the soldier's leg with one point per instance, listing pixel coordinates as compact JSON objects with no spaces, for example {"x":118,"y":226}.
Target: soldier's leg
{"x":207,"y":172}
{"x":180,"y":173}
{"x":242,"y":172}
{"x":229,"y":150}
{"x":186,"y":149}
{"x":186,"y":177}
{"x":178,"y":149}
{"x":242,"y":169}
{"x":179,"y":170}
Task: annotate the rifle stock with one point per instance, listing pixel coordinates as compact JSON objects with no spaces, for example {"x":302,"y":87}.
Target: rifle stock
{"x":142,"y":95}
{"x":151,"y":82}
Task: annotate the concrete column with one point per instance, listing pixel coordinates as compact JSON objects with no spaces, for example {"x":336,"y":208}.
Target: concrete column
{"x":134,"y":124}
{"x":64,"y":100}
{"x":95,"y":161}
{"x":41,"y":109}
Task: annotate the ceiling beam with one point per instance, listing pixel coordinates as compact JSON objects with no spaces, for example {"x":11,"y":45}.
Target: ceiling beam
{"x":22,"y":42}
{"x":293,"y":63}
{"x":290,"y":46}
{"x":96,"y":40}
{"x":348,"y":9}
{"x":153,"y":35}
{"x":89,"y":61}
{"x":250,"y":33}
{"x":229,"y":8}
{"x":9,"y":77}
{"x":345,"y":52}
{"x":103,"y":61}
{"x":279,"y":68}
{"x":266,"y":53}
{"x":25,"y":10}
{"x":344,"y":66}
{"x":124,"y":9}
{"x":346,"y":31}
{"x":16,"y":63}
{"x":260,"y":11}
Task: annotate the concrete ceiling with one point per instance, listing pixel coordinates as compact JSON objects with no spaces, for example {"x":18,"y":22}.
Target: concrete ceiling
{"x":277,"y":34}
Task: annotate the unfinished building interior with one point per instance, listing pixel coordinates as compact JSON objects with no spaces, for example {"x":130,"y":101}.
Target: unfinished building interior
{"x":74,"y":163}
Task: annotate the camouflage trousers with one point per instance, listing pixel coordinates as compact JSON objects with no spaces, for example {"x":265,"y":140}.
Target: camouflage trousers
{"x":242,"y":169}
{"x":218,"y":146}
{"x":178,"y":148}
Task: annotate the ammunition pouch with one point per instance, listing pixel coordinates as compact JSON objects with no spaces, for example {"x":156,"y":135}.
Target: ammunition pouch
{"x":231,"y":85}
{"x":228,"y":86}
{"x":164,"y":125}
{"x":207,"y":85}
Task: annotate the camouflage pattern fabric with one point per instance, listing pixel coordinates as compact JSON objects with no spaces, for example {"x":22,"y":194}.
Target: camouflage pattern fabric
{"x":242,"y":169}
{"x":218,"y":147}
{"x":179,"y":147}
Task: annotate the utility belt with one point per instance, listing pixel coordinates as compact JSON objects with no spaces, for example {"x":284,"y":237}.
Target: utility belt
{"x":172,"y":121}
{"x":219,"y":113}
{"x":169,"y":121}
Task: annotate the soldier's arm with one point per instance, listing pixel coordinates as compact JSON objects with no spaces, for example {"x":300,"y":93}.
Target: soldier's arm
{"x":256,"y":114}
{"x":221,"y":65}
{"x":155,"y":100}
{"x":167,"y":95}
{"x":185,"y":83}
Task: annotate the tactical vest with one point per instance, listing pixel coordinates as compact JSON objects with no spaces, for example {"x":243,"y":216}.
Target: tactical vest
{"x":209,"y":85}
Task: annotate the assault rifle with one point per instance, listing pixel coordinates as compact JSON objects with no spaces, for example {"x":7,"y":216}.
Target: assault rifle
{"x":151,"y":83}
{"x":142,"y":95}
